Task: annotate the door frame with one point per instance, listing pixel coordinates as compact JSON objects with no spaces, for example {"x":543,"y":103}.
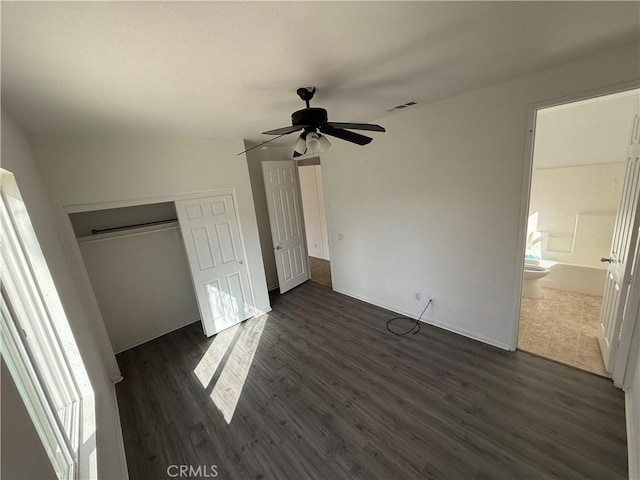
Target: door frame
{"x":307,"y":162}
{"x":315,"y":162}
{"x":88,"y":207}
{"x":532,"y":113}
{"x":619,"y":375}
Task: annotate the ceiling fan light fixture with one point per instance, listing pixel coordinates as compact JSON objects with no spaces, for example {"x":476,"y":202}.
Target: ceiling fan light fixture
{"x":313,"y":143}
{"x":314,"y":119}
{"x":301,"y":145}
{"x":325,"y":144}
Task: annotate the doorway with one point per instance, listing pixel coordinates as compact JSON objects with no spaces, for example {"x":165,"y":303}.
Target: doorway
{"x":315,"y":222}
{"x":577,"y":181}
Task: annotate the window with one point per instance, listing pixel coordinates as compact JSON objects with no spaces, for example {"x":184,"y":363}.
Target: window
{"x":37,"y":343}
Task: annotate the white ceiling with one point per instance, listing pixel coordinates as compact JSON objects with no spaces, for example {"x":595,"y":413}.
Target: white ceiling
{"x":221,"y":69}
{"x":589,"y":132}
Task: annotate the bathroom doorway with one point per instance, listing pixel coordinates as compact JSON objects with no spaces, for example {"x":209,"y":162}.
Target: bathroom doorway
{"x":315,"y":220}
{"x":579,"y":164}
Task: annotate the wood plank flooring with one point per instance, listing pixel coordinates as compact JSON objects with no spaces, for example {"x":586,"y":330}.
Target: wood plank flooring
{"x":328,"y":393}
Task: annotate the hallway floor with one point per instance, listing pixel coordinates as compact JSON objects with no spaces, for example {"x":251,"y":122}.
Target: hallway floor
{"x":562,"y":326}
{"x":320,"y":271}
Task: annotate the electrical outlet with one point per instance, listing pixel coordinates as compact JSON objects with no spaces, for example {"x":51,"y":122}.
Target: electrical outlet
{"x":417,"y":296}
{"x":341,"y":236}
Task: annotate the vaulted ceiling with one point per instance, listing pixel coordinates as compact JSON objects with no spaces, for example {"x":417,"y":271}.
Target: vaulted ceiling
{"x":230,"y":69}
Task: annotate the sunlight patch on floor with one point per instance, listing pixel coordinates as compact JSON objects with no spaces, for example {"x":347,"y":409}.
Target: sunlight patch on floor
{"x":228,"y":388}
{"x":210,"y":361}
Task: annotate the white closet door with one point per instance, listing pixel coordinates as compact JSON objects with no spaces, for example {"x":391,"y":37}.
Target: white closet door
{"x":212,"y":240}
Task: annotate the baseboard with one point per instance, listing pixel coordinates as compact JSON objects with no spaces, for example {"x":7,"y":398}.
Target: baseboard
{"x":632,"y":415}
{"x":172,"y":329}
{"x":468,"y":334}
{"x":123,"y":454}
{"x":432,"y":321}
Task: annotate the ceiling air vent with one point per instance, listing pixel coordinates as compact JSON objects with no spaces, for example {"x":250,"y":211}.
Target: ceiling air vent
{"x":400,"y":107}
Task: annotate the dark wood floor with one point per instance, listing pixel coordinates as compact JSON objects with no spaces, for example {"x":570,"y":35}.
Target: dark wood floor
{"x":330,"y":394}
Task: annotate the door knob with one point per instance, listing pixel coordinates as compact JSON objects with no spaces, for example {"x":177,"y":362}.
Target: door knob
{"x":605,"y":259}
{"x":240,"y":262}
{"x":278,"y":247}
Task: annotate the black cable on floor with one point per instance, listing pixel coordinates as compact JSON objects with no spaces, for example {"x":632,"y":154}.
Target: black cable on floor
{"x":415,"y":326}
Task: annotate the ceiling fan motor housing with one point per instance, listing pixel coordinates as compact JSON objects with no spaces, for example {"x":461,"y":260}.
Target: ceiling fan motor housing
{"x":309,"y":116}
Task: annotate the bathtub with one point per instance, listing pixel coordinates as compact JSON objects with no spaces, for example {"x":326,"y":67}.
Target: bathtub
{"x":576,"y":278}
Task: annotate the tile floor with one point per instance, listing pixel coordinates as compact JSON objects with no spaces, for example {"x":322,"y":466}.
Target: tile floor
{"x":562,"y":326}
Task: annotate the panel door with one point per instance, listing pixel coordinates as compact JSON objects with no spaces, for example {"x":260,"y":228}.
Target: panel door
{"x":623,"y":251}
{"x":287,"y":227}
{"x":216,"y":258}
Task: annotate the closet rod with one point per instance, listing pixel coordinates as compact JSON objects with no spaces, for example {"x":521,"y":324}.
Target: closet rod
{"x":157,"y":222}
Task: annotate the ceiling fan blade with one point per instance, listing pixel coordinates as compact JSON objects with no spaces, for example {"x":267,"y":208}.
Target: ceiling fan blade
{"x":285,"y":130}
{"x":345,"y":135}
{"x":261,"y":144}
{"x":357,"y":126}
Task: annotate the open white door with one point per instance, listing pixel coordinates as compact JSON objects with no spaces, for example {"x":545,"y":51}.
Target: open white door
{"x":287,"y":227}
{"x":623,"y":251}
{"x":211,"y":237}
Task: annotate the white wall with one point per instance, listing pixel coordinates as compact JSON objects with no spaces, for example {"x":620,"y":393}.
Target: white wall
{"x":315,"y":218}
{"x":57,"y":243}
{"x":89,"y":170}
{"x":577,"y":209}
{"x":142,"y":283}
{"x":436,"y":204}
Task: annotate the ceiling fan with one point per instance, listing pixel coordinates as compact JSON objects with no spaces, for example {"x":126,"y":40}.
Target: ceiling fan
{"x":315,"y":125}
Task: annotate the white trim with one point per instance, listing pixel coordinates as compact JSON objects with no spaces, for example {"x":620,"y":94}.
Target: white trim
{"x":171,"y":329}
{"x":88,"y":299}
{"x":47,"y":366}
{"x":527,"y":171}
{"x":630,"y":319}
{"x":120,"y":437}
{"x":431,"y":321}
{"x":632,"y":405}
{"x":633,"y":440}
{"x":88,"y":207}
{"x":52,"y":436}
